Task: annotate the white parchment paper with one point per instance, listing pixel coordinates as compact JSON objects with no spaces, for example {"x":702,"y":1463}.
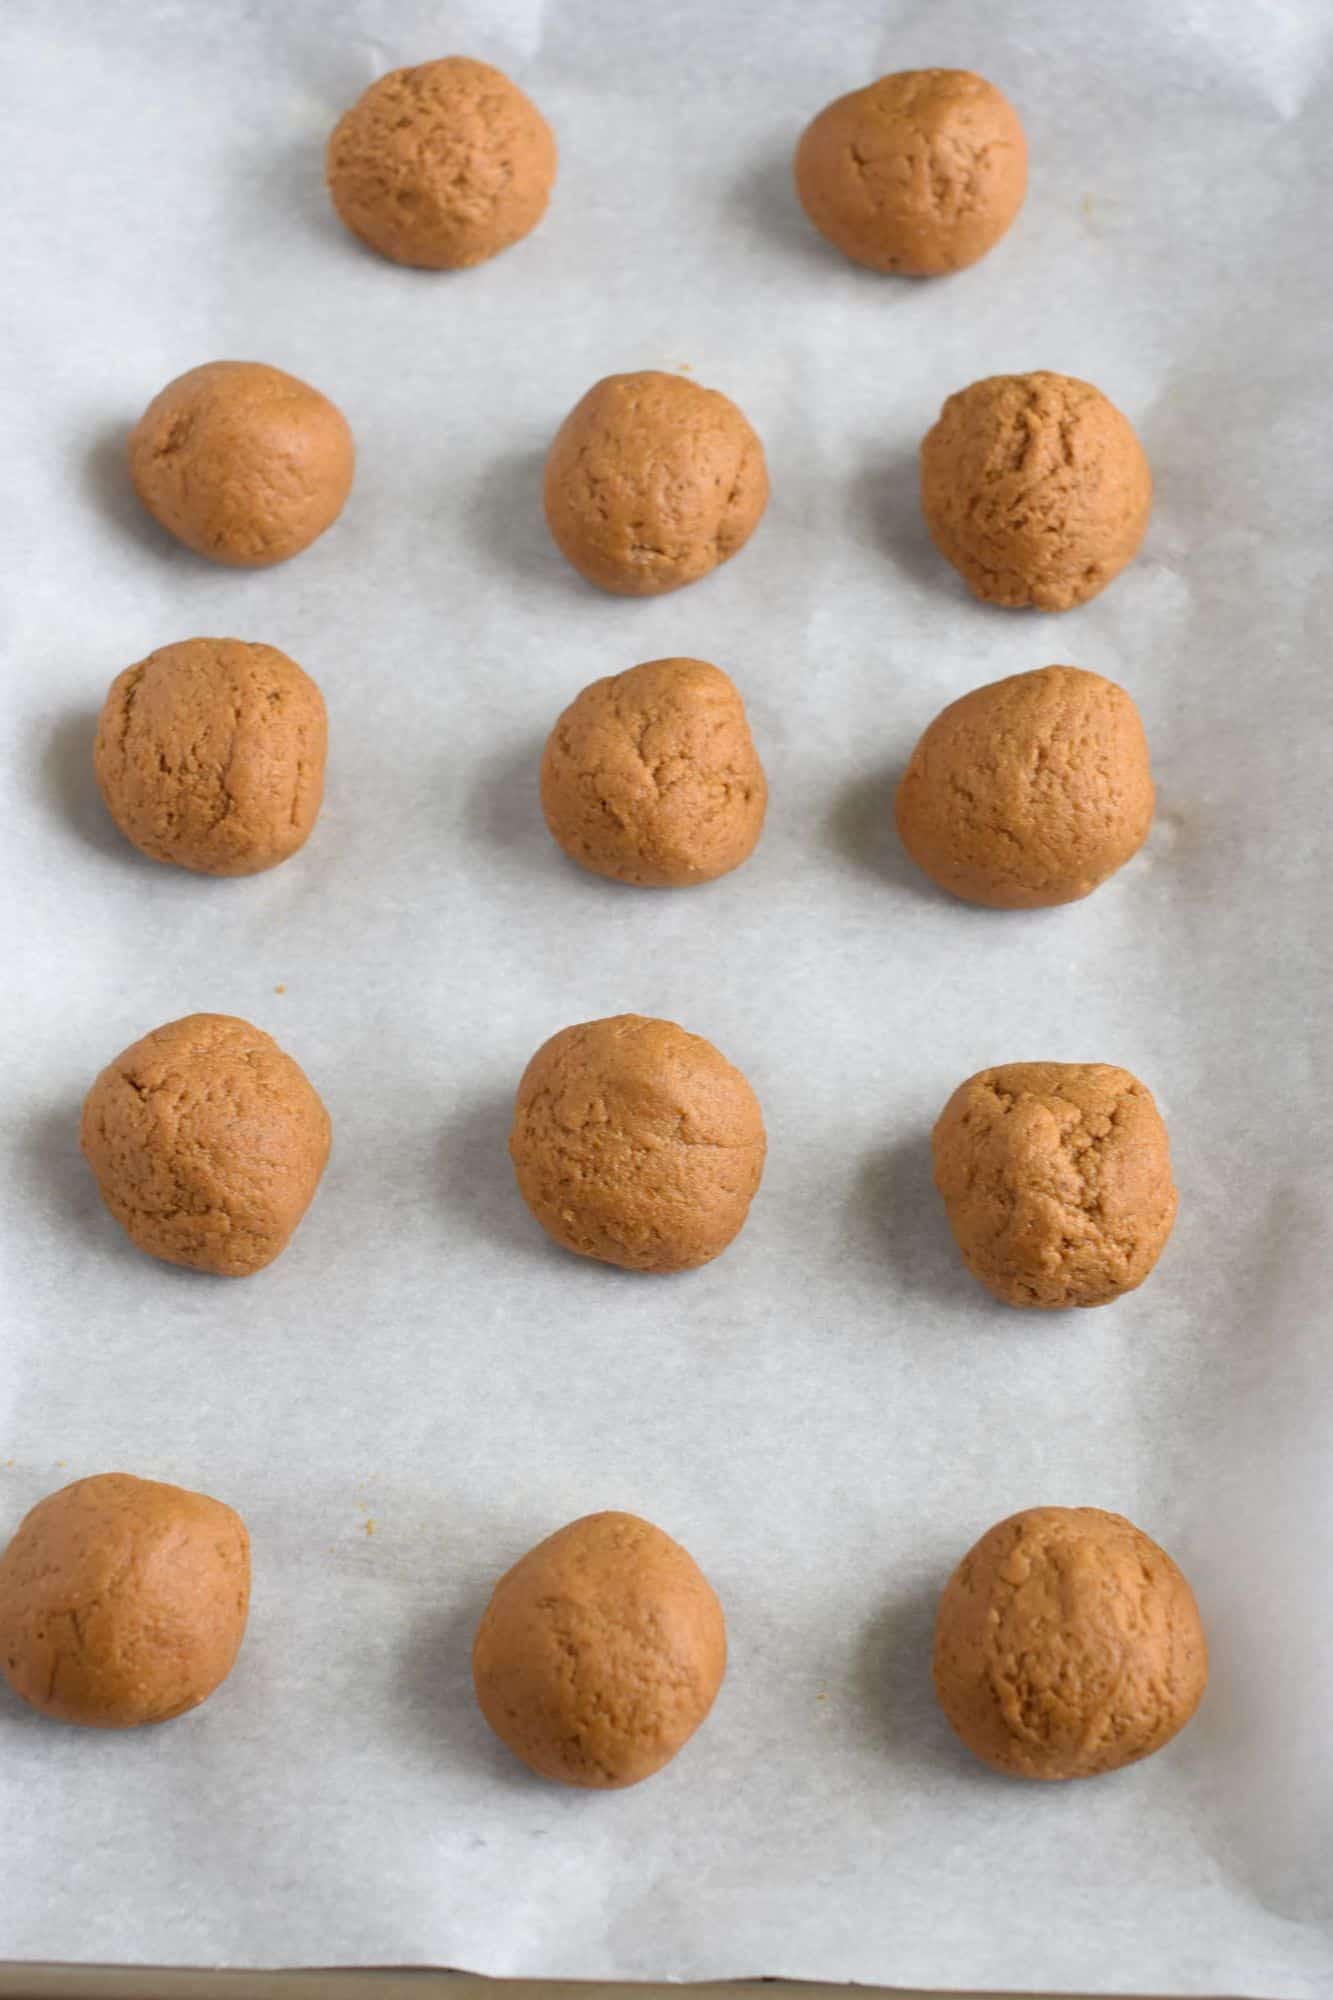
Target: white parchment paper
{"x":828,"y":1416}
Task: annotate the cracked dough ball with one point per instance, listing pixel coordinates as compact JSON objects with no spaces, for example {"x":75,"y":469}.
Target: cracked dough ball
{"x":637,"y":1143}
{"x":1067,"y":1644}
{"x":1029,"y":791}
{"x":1035,"y":488}
{"x":651,"y":482}
{"x":600,"y":1653}
{"x":210,"y":753}
{"x":123,"y":1601}
{"x":1057,"y":1181}
{"x":207,"y":1143}
{"x":242,"y":463}
{"x":921,"y":172}
{"x":441,"y":166}
{"x":651,"y":776}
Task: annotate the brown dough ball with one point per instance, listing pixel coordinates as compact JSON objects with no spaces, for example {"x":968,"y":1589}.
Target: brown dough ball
{"x":1057,"y":1181}
{"x":242,"y":463}
{"x":1067,"y":1644}
{"x":207,"y":1143}
{"x":1029,"y":791}
{"x":637,"y":1143}
{"x":123,"y":1601}
{"x":921,"y":172}
{"x":1035,"y":488}
{"x":651,"y":482}
{"x":600,"y":1652}
{"x":442,"y":165}
{"x":651,"y":776}
{"x":210,"y":753}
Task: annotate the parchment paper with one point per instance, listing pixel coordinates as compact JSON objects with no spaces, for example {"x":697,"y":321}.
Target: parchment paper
{"x":828,"y":1416}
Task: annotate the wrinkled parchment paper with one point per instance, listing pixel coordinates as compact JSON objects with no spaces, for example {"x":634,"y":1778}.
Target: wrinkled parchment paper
{"x":829,"y":1415}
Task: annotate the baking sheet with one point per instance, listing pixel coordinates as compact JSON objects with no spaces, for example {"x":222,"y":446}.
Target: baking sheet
{"x":829,"y":1415}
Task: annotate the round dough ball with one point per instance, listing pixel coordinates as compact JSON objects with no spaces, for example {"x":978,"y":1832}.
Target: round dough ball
{"x":651,"y":776}
{"x":651,"y":482}
{"x":442,"y":165}
{"x":1057,"y":1181}
{"x":207,"y":1143}
{"x":921,"y":172}
{"x":600,"y":1652}
{"x":242,"y":463}
{"x":123,"y":1601}
{"x":1035,"y":488}
{"x":1029,"y":791}
{"x":1067,"y":1644}
{"x":637,"y":1143}
{"x":210,"y":753}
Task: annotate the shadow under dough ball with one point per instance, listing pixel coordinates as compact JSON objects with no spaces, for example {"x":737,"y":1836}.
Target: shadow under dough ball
{"x":920,"y":173}
{"x":651,"y":776}
{"x":441,"y":166}
{"x":242,"y":463}
{"x":123,"y":1601}
{"x":1029,"y":791}
{"x":1035,"y":488}
{"x":207,"y":1144}
{"x":210,"y":754}
{"x":637,"y":1143}
{"x":600,"y":1652}
{"x":1067,"y":1644}
{"x":1056,"y":1178}
{"x":651,"y":482}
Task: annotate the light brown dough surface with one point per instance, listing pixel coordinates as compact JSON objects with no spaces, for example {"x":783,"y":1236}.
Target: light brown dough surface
{"x":1067,"y":1644}
{"x":651,"y":482}
{"x":637,"y":1143}
{"x":442,"y":165}
{"x":207,"y":1143}
{"x":921,"y":172}
{"x":242,"y":463}
{"x":1036,"y":489}
{"x":123,"y":1601}
{"x":1057,"y":1181}
{"x":651,"y":776}
{"x":210,"y":754}
{"x":600,"y":1652}
{"x":1029,"y":791}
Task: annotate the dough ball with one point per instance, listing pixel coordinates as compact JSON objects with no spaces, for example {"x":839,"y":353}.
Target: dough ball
{"x":210,"y":753}
{"x":1029,"y":791}
{"x":1067,"y":1644}
{"x":242,"y":463}
{"x":921,"y":172}
{"x":123,"y":1601}
{"x":651,"y":482}
{"x":1035,"y":488}
{"x":637,"y":1143}
{"x":600,"y":1653}
{"x":207,"y":1143}
{"x":442,"y":165}
{"x":1057,"y":1181}
{"x":651,"y":776}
